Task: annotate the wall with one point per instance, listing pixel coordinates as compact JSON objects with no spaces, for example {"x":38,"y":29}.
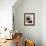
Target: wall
{"x":6,"y":13}
{"x":43,"y":22}
{"x":29,"y":32}
{"x":6,"y":16}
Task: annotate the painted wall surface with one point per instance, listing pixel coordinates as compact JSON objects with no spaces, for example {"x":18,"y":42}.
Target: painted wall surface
{"x":6,"y":16}
{"x":6,"y":13}
{"x":43,"y":22}
{"x":29,"y":32}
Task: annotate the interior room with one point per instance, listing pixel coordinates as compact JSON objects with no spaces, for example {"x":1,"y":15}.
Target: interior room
{"x":22,"y":23}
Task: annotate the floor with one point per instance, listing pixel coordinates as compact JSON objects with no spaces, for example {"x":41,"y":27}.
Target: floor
{"x":8,"y":43}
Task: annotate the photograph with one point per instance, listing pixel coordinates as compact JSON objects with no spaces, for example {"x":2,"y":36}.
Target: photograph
{"x":29,"y":19}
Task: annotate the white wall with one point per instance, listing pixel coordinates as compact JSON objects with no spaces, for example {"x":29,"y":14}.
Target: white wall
{"x":30,"y":32}
{"x":6,"y":13}
{"x":43,"y":22}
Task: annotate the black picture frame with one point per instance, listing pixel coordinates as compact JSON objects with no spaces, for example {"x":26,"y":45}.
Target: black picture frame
{"x":29,"y":19}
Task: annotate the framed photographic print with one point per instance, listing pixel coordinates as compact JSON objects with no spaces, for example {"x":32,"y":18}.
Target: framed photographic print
{"x":29,"y":19}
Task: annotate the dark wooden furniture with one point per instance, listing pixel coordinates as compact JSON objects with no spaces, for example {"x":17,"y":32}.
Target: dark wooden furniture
{"x":18,"y":39}
{"x":16,"y":34}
